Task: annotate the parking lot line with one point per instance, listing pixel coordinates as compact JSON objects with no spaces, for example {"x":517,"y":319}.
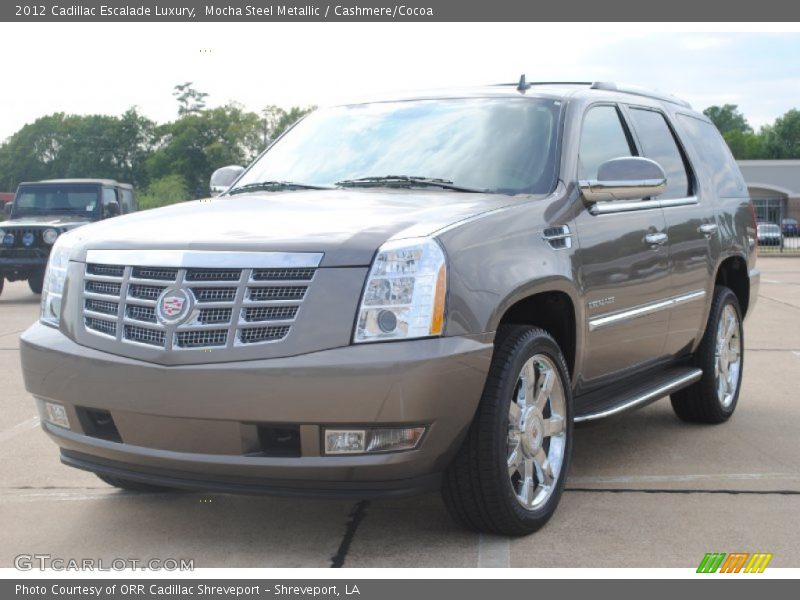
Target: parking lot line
{"x":19,"y":428}
{"x":494,"y":551}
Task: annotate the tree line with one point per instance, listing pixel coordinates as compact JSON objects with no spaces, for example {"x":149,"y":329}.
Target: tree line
{"x":781,"y":140}
{"x":172,"y":162}
{"x":166,"y":163}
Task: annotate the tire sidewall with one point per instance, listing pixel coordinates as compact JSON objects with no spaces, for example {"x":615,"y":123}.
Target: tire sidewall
{"x":726,"y":297}
{"x":534,"y":342}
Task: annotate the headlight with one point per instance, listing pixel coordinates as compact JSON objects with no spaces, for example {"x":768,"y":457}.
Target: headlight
{"x":50,"y":236}
{"x":405,"y":293}
{"x":54,"y":279}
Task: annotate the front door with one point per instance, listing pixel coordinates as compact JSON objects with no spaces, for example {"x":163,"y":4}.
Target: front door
{"x":623,"y":261}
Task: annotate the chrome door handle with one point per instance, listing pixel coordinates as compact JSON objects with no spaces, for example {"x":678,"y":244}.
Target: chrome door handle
{"x":707,"y":228}
{"x":656,"y":239}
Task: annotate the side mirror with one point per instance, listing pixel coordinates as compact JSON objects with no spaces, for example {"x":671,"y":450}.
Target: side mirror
{"x":223,"y":178}
{"x":111,"y":210}
{"x":8,"y":208}
{"x":625,"y":178}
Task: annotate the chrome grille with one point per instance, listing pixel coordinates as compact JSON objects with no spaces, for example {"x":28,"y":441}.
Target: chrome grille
{"x":214,"y":294}
{"x":101,"y":306}
{"x":154,"y":273}
{"x":105,"y":288}
{"x":213,"y":274}
{"x":145,"y":292}
{"x":227,"y":307}
{"x":282,"y":274}
{"x":276,"y":293}
{"x":144,"y":335}
{"x":214,"y":315}
{"x":255,"y":335}
{"x":201,"y":338}
{"x":268,"y":313}
{"x":102,"y":326}
{"x":107,"y":270}
{"x":141,"y":313}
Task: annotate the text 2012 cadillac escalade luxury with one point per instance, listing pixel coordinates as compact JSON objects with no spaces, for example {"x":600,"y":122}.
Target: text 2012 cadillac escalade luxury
{"x":406,"y":294}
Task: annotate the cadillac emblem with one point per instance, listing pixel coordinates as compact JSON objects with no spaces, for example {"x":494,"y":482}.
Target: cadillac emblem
{"x":173,"y":306}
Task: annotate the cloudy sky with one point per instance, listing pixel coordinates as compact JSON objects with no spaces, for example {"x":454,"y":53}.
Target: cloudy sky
{"x":107,"y":68}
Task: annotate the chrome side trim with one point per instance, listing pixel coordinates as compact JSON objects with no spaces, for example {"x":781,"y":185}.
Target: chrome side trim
{"x":646,"y":397}
{"x":198,"y":259}
{"x":644,"y":309}
{"x":670,"y":202}
{"x":605,"y":208}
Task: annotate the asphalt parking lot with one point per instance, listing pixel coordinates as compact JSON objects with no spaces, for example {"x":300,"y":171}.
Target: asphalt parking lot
{"x":644,"y":490}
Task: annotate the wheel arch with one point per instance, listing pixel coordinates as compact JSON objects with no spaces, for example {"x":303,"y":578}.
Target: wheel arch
{"x":732,"y":273}
{"x":552,"y":309}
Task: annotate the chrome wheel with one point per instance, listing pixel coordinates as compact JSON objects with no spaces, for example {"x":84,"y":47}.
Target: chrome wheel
{"x":728,"y":356}
{"x":537,"y":432}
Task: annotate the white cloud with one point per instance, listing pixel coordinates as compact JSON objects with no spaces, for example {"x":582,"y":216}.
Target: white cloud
{"x":91,"y":68}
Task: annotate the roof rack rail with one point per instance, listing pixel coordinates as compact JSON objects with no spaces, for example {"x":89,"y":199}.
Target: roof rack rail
{"x":610,"y":86}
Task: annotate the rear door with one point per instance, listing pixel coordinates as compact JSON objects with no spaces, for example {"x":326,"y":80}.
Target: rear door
{"x":623,"y":262}
{"x":691,"y":226}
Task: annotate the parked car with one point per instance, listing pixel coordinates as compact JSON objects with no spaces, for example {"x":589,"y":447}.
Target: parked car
{"x":419,"y":293}
{"x":769,"y":234}
{"x":790,"y":227}
{"x":41,"y":211}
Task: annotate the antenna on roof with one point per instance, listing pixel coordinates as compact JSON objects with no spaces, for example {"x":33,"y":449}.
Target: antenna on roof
{"x":523,"y":85}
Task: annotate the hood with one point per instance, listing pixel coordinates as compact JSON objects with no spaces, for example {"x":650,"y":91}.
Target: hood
{"x":43,"y":221}
{"x":346,"y":225}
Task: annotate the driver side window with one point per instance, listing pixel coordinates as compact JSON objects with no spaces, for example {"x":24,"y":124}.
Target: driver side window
{"x":603,"y":137}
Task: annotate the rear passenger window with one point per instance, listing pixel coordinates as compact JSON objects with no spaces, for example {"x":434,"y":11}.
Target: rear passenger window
{"x":659,"y":144}
{"x":715,"y":157}
{"x":603,"y":137}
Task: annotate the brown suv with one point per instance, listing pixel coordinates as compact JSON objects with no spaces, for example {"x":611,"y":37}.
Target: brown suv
{"x":408,"y":294}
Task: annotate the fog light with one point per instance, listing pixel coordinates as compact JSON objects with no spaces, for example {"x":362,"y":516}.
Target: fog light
{"x":56,"y":414}
{"x":345,"y":442}
{"x":368,"y":441}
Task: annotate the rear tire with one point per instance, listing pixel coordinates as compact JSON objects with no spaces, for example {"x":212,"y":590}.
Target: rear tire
{"x":130,"y":485}
{"x":509,"y":474}
{"x":2,"y":283}
{"x":721,"y":357}
{"x":35,"y":282}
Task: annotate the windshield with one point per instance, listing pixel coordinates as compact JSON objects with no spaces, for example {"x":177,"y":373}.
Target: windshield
{"x":495,"y":145}
{"x":57,"y":199}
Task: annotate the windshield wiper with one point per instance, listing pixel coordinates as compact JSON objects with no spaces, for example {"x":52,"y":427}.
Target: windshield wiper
{"x":274,"y":186}
{"x":405,"y":181}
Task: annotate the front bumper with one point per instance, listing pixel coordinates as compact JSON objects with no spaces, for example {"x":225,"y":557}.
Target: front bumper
{"x":194,"y":426}
{"x":22,"y":263}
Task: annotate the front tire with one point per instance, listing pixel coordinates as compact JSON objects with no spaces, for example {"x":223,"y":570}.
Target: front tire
{"x":721,"y":357}
{"x":36,"y":282}
{"x":509,"y":474}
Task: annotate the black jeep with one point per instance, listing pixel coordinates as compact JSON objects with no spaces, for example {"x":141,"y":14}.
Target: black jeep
{"x":41,"y":211}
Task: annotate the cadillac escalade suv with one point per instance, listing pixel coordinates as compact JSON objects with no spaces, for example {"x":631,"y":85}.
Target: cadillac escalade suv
{"x":414,"y":293}
{"x":43,"y":210}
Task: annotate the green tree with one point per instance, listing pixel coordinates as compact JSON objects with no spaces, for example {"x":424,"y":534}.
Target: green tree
{"x":727,"y":118}
{"x":161,"y":192}
{"x":61,"y":145}
{"x":276,"y":120}
{"x":783,"y":138}
{"x":196,"y":144}
{"x":189,"y":99}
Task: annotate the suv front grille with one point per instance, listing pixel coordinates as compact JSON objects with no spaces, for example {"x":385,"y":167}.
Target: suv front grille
{"x":226,"y":307}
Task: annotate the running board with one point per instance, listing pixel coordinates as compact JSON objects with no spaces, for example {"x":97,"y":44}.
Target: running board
{"x":608,"y":402}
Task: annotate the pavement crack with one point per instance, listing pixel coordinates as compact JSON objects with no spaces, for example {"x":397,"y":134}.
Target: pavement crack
{"x":685,"y":491}
{"x":356,"y":516}
{"x":789,"y":304}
